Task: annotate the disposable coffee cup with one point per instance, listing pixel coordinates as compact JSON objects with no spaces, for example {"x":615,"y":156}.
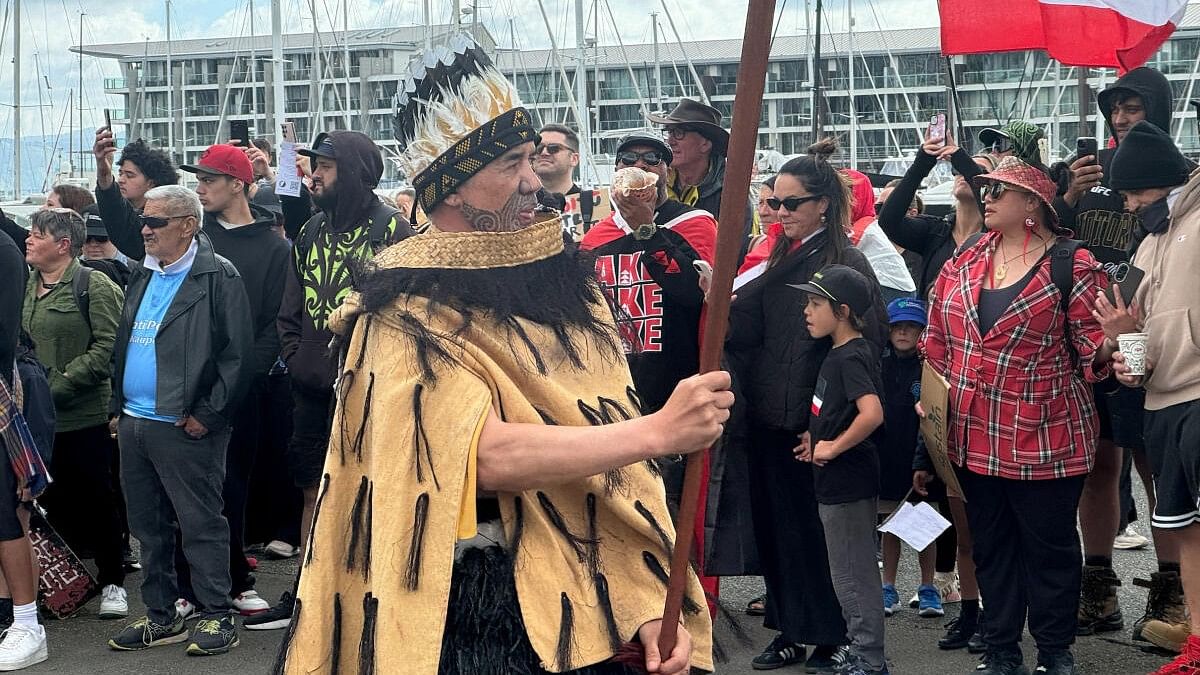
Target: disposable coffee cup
{"x":1133,"y":348}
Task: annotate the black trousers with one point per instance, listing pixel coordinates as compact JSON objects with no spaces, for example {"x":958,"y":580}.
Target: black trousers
{"x":1028,"y":558}
{"x":83,"y":503}
{"x":274,"y":504}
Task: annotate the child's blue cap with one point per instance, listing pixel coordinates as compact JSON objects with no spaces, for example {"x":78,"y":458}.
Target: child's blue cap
{"x":907,"y":309}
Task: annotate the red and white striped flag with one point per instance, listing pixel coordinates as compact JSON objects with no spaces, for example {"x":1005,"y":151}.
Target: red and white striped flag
{"x":1103,"y":33}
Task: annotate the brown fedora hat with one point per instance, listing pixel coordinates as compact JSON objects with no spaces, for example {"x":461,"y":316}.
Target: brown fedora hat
{"x":705,"y":120}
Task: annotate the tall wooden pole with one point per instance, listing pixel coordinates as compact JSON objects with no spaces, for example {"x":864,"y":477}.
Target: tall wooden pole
{"x":752,"y":77}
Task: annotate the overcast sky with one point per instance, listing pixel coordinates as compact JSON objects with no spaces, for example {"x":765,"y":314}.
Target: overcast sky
{"x":50,"y":27}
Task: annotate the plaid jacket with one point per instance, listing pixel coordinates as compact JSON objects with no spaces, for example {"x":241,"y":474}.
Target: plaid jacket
{"x":1019,"y":407}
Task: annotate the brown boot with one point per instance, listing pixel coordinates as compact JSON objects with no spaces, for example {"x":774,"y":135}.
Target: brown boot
{"x":1164,"y":602}
{"x":1099,"y":611}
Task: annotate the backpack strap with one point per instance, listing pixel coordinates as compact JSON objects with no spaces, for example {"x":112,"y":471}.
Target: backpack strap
{"x":79,"y":288}
{"x":381,"y":216}
{"x":970,"y":241}
{"x":1062,"y":275}
{"x":1062,"y":268}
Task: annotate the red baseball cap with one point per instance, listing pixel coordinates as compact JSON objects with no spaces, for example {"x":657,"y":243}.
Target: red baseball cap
{"x":224,"y":160}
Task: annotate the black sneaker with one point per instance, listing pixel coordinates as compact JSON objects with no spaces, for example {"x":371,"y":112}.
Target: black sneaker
{"x":279,"y":616}
{"x":6,"y":613}
{"x":213,"y":635}
{"x":1001,"y":662}
{"x":1055,"y":662}
{"x":129,"y":560}
{"x":144,"y":634}
{"x":825,"y":659}
{"x":958,"y":634}
{"x":778,"y":654}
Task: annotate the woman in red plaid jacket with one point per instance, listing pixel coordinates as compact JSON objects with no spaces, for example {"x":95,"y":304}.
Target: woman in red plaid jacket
{"x":1022,"y":422}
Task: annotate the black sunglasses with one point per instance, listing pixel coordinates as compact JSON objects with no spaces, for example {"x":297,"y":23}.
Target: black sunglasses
{"x":790,"y":203}
{"x":650,"y":157}
{"x":92,"y":238}
{"x":156,"y":222}
{"x":552,"y":148}
{"x":997,"y":190}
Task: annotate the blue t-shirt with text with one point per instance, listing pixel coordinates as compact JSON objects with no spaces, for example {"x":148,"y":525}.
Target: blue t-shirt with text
{"x":141,"y":366}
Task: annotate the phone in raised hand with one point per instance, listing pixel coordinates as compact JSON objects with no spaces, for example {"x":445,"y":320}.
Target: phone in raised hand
{"x":937,"y":128}
{"x":1087,"y":146}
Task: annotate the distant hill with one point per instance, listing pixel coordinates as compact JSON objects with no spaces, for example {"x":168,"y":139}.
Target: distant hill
{"x":38,"y":153}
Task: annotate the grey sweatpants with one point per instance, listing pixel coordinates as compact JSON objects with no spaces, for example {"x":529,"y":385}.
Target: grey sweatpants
{"x":850,"y":541}
{"x":172,"y":480}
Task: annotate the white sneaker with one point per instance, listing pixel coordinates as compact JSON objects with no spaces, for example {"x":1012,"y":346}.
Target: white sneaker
{"x":249,"y":604}
{"x":184,"y":609}
{"x":22,"y":646}
{"x":282,"y":549}
{"x":1130,"y":540}
{"x":114,"y":603}
{"x":947,"y":585}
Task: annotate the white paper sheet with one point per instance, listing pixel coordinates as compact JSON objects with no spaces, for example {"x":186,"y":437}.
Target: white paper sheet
{"x":287,"y":180}
{"x":916,"y":525}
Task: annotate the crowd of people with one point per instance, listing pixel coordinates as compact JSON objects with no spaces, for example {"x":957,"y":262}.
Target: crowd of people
{"x":173,"y":382}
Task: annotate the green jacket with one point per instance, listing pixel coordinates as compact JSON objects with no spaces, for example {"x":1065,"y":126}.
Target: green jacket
{"x":79,"y":360}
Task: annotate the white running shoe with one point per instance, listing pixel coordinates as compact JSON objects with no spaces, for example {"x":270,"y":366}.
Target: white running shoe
{"x":947,"y":586}
{"x":184,"y":609}
{"x":282,"y":549}
{"x":249,"y":604}
{"x":1130,"y":540}
{"x":114,"y":603}
{"x":22,"y":646}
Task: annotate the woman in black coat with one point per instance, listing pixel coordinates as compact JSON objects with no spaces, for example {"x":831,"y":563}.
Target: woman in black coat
{"x":775,"y":362}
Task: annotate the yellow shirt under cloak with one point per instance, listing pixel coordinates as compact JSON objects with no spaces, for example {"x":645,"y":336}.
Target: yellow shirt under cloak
{"x":399,"y":486}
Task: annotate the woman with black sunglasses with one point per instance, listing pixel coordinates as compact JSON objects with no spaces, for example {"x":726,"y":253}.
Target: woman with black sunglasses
{"x":775,"y":362}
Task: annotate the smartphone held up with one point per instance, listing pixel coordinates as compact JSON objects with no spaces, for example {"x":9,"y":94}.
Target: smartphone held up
{"x":937,"y":128}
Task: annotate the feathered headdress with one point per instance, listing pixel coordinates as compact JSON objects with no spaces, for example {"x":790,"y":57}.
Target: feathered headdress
{"x":455,"y":113}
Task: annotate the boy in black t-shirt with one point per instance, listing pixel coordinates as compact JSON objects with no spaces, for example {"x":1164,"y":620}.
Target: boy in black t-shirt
{"x":846,"y":409}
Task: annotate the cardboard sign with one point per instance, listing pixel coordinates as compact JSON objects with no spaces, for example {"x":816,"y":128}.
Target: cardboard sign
{"x":935,"y":400}
{"x":573,"y":217}
{"x":65,"y":584}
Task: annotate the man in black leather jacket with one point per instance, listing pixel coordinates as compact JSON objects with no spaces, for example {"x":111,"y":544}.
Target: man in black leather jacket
{"x":182,"y":348}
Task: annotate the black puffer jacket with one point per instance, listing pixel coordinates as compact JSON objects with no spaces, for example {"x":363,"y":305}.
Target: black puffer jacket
{"x":775,"y":360}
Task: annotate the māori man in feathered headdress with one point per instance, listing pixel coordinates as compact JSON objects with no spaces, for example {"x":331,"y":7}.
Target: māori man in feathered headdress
{"x":488,"y":504}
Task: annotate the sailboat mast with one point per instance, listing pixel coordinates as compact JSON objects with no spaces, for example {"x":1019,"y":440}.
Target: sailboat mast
{"x":254,"y":75}
{"x":346,"y":57}
{"x":277,"y":66}
{"x":170,"y":89}
{"x":429,"y":27}
{"x":81,"y":155}
{"x":17,"y":98}
{"x":816,"y":75}
{"x":657,"y":64}
{"x":319,"y":103}
{"x":586,"y":174}
{"x":853,"y":88}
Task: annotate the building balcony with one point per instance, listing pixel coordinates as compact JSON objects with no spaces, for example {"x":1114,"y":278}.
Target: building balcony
{"x":115,"y":84}
{"x":295,"y":106}
{"x":201,"y":78}
{"x":203,"y":110}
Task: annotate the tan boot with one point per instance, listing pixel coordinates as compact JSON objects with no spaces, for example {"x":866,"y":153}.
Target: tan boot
{"x":1164,"y":602}
{"x":1099,"y":611}
{"x":1169,"y":636}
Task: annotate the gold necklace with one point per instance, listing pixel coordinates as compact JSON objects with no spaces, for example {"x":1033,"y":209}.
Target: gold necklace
{"x":1001,"y":270}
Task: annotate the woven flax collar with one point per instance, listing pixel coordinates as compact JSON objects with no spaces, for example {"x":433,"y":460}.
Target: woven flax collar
{"x":476,"y":250}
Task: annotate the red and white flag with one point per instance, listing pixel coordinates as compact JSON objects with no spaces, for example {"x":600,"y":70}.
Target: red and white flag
{"x":1104,"y":33}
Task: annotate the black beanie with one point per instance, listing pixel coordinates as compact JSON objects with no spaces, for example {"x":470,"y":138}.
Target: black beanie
{"x":1147,"y":158}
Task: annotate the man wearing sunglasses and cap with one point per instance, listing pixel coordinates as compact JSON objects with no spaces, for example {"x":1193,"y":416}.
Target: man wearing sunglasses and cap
{"x":645,"y":252}
{"x":699,"y":145}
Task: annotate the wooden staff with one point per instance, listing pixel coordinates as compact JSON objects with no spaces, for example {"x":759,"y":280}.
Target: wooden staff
{"x":752,"y":76}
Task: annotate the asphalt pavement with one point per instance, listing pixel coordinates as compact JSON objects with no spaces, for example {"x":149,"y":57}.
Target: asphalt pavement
{"x":78,"y":645}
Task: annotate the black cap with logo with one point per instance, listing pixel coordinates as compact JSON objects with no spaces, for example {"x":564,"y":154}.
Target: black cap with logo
{"x":842,"y":285}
